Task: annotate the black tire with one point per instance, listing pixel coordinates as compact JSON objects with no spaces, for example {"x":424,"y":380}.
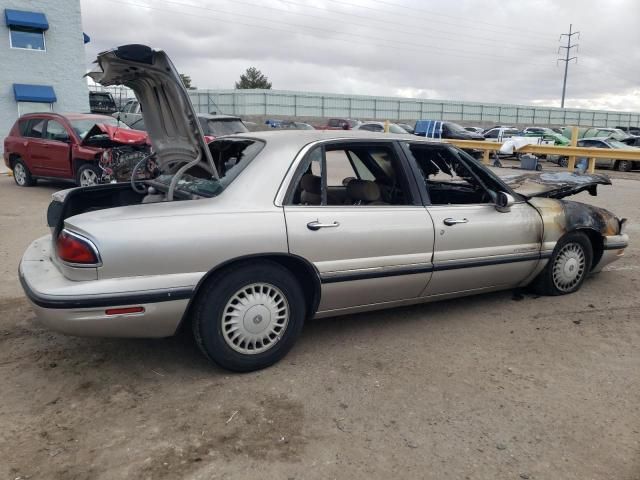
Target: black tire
{"x":550,"y":280}
{"x":22,"y":175}
{"x":624,"y":165}
{"x":563,"y":162}
{"x":217,"y":296}
{"x":85,"y":172}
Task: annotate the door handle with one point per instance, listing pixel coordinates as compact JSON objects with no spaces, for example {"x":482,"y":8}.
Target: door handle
{"x":316,"y":225}
{"x":454,"y":221}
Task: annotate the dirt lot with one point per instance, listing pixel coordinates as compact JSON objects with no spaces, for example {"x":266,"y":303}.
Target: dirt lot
{"x":499,"y":386}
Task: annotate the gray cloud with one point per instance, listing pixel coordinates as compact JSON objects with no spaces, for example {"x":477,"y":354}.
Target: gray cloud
{"x":492,"y":51}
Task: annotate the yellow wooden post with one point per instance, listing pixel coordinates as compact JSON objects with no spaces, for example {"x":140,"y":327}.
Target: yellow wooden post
{"x":386,"y":126}
{"x":574,"y":142}
{"x":592,"y":165}
{"x":485,"y":157}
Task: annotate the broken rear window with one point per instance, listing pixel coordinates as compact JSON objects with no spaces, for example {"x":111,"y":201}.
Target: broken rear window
{"x":231,"y":157}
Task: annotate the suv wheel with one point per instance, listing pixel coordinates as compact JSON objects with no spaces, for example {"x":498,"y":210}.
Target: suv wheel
{"x":88,"y":175}
{"x":249,"y":316}
{"x":22,"y":175}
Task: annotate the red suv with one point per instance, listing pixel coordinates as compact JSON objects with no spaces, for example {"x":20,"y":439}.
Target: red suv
{"x":69,"y":146}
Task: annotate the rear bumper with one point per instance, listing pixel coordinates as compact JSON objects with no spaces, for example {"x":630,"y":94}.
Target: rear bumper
{"x":614,"y":246}
{"x":58,"y":307}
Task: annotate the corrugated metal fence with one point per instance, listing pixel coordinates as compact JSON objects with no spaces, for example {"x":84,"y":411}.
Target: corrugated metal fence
{"x":305,"y":104}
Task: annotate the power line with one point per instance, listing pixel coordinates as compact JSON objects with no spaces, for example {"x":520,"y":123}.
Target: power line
{"x":391,"y":43}
{"x":567,"y":59}
{"x":422,"y":31}
{"x":442,"y":33}
{"x":436,"y":14}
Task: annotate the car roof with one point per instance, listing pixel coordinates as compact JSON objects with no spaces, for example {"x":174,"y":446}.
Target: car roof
{"x":300,"y":138}
{"x":209,"y":116}
{"x":69,"y":116}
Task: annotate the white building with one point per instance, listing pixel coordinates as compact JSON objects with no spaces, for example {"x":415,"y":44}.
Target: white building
{"x":42,"y":59}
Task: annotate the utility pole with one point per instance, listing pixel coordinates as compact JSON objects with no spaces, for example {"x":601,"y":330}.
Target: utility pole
{"x":567,"y":57}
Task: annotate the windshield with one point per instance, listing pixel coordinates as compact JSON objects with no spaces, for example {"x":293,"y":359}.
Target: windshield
{"x":455,"y":127}
{"x":218,"y":128}
{"x":82,"y":126}
{"x":617,"y":144}
{"x":231,"y":156}
{"x":396,"y":129}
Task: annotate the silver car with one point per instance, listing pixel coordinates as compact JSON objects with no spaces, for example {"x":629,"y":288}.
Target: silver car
{"x":245,"y":238}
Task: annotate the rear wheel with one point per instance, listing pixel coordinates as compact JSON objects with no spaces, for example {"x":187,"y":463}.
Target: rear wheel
{"x":88,"y":175}
{"x":249,"y":316}
{"x":568,"y":267}
{"x":22,"y":175}
{"x":563,"y":162}
{"x":624,"y":165}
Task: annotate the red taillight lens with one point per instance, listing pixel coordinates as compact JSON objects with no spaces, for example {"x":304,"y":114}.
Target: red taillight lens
{"x":73,"y":249}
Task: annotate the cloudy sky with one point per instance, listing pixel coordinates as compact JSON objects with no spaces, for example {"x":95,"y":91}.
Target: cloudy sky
{"x":493,"y":51}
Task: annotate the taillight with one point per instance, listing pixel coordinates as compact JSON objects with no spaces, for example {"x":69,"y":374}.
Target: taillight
{"x":73,"y":248}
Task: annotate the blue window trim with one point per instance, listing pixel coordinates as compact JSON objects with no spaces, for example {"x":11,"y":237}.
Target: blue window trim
{"x":24,"y":19}
{"x":34,"y":93}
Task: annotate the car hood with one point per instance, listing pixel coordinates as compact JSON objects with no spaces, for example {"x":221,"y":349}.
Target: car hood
{"x":170,"y":119}
{"x":115,"y":135}
{"x":555,"y":185}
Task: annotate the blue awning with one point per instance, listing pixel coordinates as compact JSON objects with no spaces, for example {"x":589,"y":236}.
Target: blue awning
{"x":86,"y":37}
{"x":20,"y":18}
{"x":34,"y":93}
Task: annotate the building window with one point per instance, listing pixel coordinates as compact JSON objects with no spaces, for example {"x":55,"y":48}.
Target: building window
{"x":27,"y":38}
{"x":33,"y":107}
{"x":26,"y":29}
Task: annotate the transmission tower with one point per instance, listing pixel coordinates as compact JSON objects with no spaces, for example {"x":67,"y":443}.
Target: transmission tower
{"x":567,"y":57}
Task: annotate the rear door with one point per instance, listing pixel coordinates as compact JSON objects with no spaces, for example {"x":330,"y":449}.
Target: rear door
{"x":355,"y":214}
{"x":476,"y":246}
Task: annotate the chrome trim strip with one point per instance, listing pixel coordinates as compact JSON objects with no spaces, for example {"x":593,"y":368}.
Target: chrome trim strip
{"x":416,"y":269}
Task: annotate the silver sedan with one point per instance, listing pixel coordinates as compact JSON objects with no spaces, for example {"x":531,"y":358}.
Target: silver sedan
{"x":243,"y":239}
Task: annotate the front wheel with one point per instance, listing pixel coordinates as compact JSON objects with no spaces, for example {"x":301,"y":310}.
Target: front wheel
{"x":249,"y":316}
{"x":563,"y":162}
{"x":88,"y":175}
{"x":568,"y":266}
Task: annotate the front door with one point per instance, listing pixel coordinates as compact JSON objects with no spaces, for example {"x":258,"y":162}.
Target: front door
{"x":476,"y":246}
{"x":354,"y":214}
{"x":56,"y":161}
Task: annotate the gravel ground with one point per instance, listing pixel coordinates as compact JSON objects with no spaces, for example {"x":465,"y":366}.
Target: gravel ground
{"x":500,"y":386}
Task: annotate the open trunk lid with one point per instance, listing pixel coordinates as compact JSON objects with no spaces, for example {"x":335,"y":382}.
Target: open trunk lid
{"x":556,"y":184}
{"x":170,"y":119}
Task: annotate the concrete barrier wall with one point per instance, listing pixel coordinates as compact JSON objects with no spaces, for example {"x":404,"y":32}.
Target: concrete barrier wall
{"x":316,"y":107}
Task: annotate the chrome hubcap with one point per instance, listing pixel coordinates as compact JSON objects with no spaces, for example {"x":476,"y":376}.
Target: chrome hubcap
{"x":569,"y":267}
{"x":19,"y":174}
{"x":88,"y":178}
{"x":255,"y":318}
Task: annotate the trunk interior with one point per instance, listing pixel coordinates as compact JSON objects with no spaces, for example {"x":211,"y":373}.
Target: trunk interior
{"x":82,"y":200}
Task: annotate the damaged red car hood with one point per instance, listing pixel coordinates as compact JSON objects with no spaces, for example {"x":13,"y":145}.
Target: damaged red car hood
{"x":556,"y":184}
{"x":118,"y":135}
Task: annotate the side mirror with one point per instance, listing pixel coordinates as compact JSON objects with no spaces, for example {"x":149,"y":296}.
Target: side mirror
{"x":504,"y":202}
